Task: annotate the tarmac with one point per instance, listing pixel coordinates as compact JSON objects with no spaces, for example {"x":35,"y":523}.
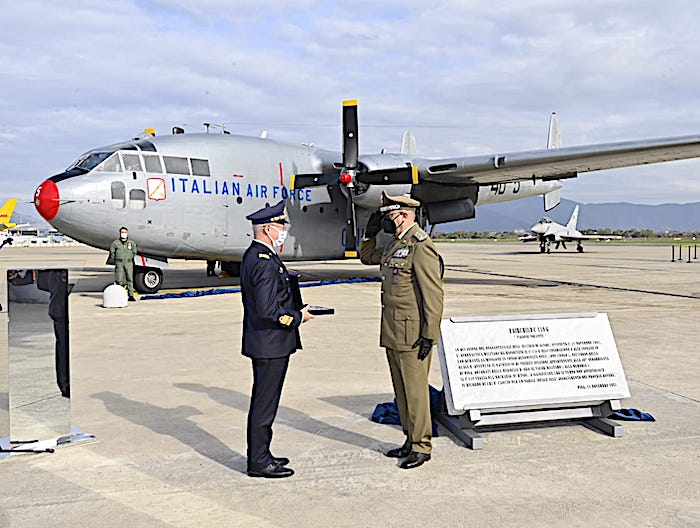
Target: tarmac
{"x":164,"y":389}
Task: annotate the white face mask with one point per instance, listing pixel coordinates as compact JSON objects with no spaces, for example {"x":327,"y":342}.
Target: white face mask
{"x":281,"y":237}
{"x":123,"y":236}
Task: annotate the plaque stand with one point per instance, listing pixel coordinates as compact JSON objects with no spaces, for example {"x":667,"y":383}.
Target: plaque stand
{"x":9,"y":448}
{"x":592,"y":414}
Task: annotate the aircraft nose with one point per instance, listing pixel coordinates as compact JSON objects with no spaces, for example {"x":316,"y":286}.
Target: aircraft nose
{"x":46,"y":199}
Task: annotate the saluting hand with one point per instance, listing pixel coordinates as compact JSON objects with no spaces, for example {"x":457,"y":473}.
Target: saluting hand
{"x":374,"y":225}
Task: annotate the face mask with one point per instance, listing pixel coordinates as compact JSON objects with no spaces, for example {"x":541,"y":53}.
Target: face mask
{"x":123,"y":236}
{"x":388,"y":226}
{"x":281,"y":237}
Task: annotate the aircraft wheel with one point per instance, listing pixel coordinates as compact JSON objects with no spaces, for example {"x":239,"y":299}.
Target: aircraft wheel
{"x":148,"y":280}
{"x":579,"y":249}
{"x":232,"y":269}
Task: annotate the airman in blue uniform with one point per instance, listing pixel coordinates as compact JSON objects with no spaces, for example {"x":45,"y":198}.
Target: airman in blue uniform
{"x":270,"y":334}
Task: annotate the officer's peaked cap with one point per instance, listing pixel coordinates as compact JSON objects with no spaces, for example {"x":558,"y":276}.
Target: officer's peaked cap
{"x":272,"y":213}
{"x":390,"y":203}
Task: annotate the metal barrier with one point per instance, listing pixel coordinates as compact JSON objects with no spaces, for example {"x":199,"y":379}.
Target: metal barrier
{"x":694,"y":247}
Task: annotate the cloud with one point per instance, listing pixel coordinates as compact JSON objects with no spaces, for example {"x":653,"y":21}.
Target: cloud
{"x":468,"y":77}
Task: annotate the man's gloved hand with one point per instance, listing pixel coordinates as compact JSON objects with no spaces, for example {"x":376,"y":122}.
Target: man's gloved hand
{"x":374,"y":225}
{"x":425,"y":345}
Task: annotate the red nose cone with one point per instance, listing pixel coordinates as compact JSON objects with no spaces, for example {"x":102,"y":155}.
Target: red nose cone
{"x":346,"y":177}
{"x":46,"y":199}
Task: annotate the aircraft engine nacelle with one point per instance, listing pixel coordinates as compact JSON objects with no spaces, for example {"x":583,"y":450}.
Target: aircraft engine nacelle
{"x":370,"y":196}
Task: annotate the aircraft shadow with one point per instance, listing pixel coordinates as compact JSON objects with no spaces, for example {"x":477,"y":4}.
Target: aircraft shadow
{"x":174,"y":422}
{"x":290,"y":417}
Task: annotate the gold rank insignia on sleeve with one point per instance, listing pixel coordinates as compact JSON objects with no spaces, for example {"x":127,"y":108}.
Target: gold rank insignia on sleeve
{"x":286,"y":320}
{"x":264,"y":255}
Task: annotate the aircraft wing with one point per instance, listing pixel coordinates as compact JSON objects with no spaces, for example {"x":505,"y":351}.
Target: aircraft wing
{"x":569,"y":238}
{"x":556,"y":163}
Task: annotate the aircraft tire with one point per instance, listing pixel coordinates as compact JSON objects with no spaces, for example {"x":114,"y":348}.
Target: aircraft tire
{"x":148,"y":280}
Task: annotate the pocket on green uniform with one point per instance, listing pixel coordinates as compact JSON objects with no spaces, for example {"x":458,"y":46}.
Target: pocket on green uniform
{"x":407,"y":323}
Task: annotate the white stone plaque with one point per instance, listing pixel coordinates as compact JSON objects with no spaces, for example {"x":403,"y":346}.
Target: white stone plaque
{"x":529,"y":360}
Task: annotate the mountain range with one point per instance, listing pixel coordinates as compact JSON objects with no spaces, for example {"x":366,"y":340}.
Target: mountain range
{"x":521,"y":214}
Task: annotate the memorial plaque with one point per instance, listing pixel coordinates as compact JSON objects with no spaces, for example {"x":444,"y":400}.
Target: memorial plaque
{"x":529,"y":360}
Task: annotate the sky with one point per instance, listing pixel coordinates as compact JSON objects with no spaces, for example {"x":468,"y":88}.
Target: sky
{"x":467,"y":77}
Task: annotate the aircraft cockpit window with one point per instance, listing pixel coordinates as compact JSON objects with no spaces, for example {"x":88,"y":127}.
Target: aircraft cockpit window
{"x":111,"y":164}
{"x":545,"y":220}
{"x":118,"y":195}
{"x":152,"y":163}
{"x":132,"y":162}
{"x":137,"y":199}
{"x":175,"y":165}
{"x":92,"y":160}
{"x":200,"y":167}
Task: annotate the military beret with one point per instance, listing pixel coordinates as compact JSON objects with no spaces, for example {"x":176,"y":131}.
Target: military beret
{"x":273,"y":213}
{"x":390,"y":203}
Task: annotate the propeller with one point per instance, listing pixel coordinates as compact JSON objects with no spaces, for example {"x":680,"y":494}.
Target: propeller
{"x":347,"y":175}
{"x":352,"y":172}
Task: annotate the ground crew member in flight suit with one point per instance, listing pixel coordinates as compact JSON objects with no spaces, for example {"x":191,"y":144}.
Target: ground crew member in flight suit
{"x":270,"y":334}
{"x":122,"y":252}
{"x":412,"y":302}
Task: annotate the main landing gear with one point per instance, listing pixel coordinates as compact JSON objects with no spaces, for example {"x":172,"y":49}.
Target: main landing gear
{"x":147,"y":280}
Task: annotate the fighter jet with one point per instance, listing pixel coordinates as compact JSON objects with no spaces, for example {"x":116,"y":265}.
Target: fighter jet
{"x":186,"y":195}
{"x":547,"y":231}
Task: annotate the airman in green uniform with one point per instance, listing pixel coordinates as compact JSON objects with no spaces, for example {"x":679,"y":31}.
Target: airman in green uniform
{"x":122,"y":252}
{"x":412,"y":301}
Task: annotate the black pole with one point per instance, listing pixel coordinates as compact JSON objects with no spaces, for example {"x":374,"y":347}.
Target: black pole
{"x":688,"y":254}
{"x":673,"y":253}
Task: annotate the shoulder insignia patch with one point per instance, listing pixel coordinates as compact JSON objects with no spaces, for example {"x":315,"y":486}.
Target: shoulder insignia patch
{"x":420,"y":235}
{"x":286,"y":320}
{"x":264,"y":256}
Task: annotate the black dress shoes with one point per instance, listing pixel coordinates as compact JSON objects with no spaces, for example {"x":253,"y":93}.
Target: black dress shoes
{"x":414,"y":460}
{"x":280,"y":461}
{"x":272,"y":470}
{"x":399,"y":452}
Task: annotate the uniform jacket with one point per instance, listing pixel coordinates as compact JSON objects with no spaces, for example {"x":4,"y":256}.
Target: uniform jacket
{"x":270,"y":319}
{"x":412,"y":296}
{"x":122,"y":250}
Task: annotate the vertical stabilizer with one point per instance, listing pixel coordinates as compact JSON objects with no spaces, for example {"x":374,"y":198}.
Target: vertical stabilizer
{"x":554,"y":136}
{"x":408,"y":143}
{"x":6,"y":212}
{"x":571,"y":226}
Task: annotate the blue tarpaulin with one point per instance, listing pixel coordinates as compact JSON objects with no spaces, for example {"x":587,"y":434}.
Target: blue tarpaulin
{"x":632,"y":415}
{"x":388,"y":413}
{"x":220,"y":291}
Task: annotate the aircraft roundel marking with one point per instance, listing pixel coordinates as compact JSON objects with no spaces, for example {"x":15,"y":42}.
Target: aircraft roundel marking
{"x":156,"y":188}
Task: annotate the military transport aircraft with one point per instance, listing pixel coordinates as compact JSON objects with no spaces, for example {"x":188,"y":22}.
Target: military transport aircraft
{"x":547,"y":231}
{"x":187,"y":195}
